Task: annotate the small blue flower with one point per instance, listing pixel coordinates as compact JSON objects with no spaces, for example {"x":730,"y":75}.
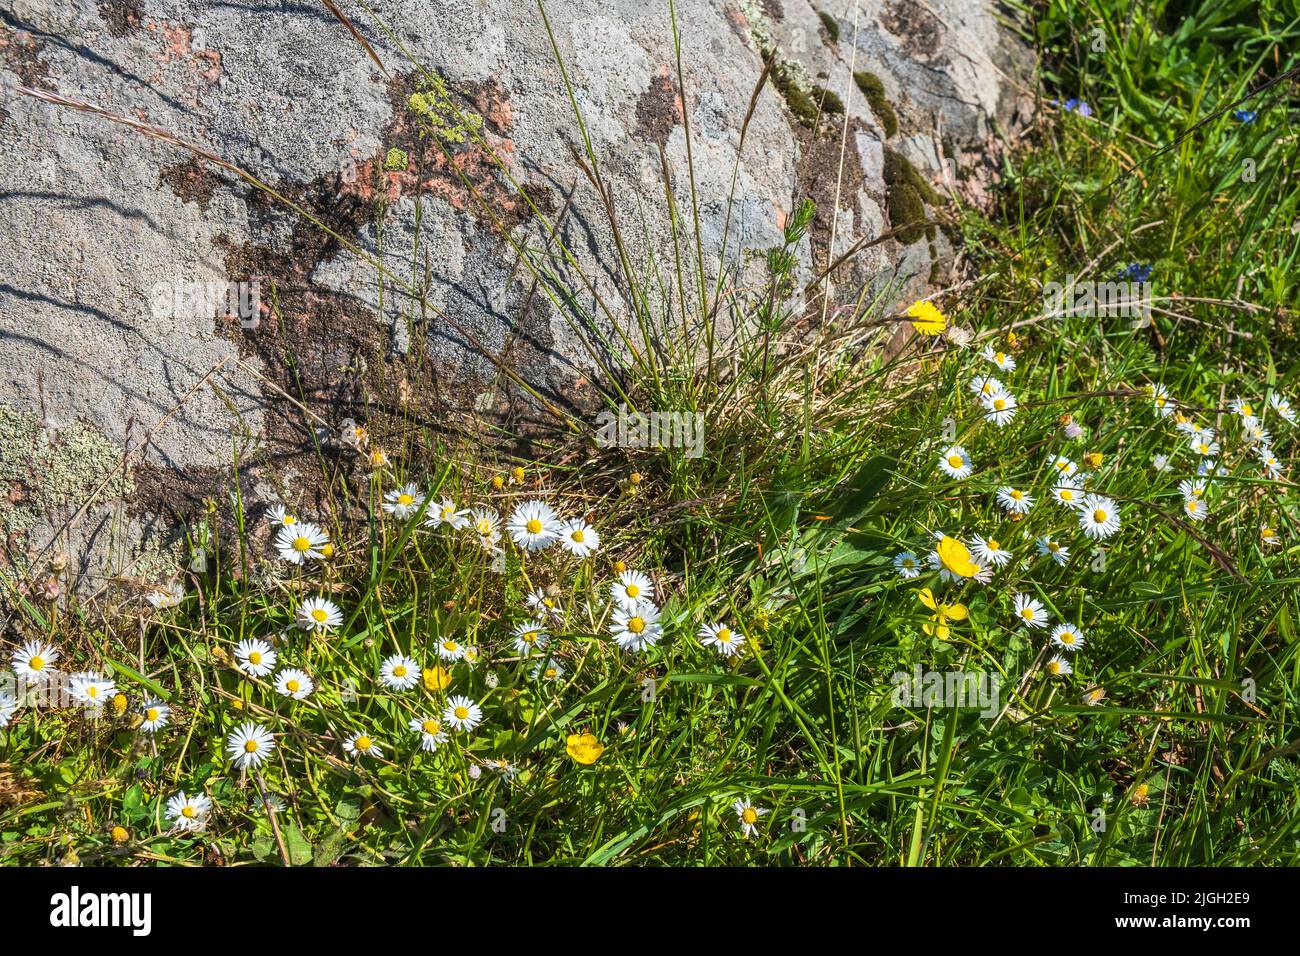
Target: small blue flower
{"x":1244,"y":116}
{"x":1136,"y":272}
{"x":1076,"y":105}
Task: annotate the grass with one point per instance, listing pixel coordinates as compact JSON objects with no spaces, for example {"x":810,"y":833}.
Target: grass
{"x":819,"y":467}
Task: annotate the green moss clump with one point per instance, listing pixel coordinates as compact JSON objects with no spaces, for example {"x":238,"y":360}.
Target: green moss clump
{"x":906,"y":196}
{"x":831,"y":24}
{"x":874,"y":91}
{"x":829,"y":101}
{"x":806,"y":105}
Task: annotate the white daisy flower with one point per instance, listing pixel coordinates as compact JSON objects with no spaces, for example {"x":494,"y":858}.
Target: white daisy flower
{"x":1051,"y":548}
{"x":1163,"y":404}
{"x":450,"y":649}
{"x":1098,"y":516}
{"x":91,"y":688}
{"x":578,"y":537}
{"x":278,"y":514}
{"x":722,"y":639}
{"x":249,"y":745}
{"x":301,"y":542}
{"x":955,"y":463}
{"x":530,"y":636}
{"x":432,"y":736}
{"x":188,"y":813}
{"x":155,"y":714}
{"x":1014,"y":501}
{"x":636,"y":627}
{"x":1068,"y":493}
{"x":1207,"y":468}
{"x":632,"y":586}
{"x":404,"y":502}
{"x":1063,"y":467}
{"x":462,"y":713}
{"x":1272,"y":467}
{"x":1192,"y":489}
{"x":361,"y":745}
{"x":549,"y":669}
{"x":1242,"y":407}
{"x":1283,"y":407}
{"x":1256,"y":435}
{"x":255,"y":657}
{"x":989,"y":552}
{"x":1000,"y":408}
{"x":447,"y":514}
{"x":8,"y":707}
{"x":1196,"y":509}
{"x":985,"y":385}
{"x":1030,"y":611}
{"x":1058,"y":666}
{"x":907,"y":565}
{"x":1003,"y":360}
{"x":748,"y":815}
{"x":399,"y":672}
{"x":1206,"y":449}
{"x":294,"y":683}
{"x":169,"y":598}
{"x":533,"y":525}
{"x":1160,"y":462}
{"x":319,"y":614}
{"x":471,"y":655}
{"x":542,"y":603}
{"x":1067,"y":637}
{"x":33,"y":661}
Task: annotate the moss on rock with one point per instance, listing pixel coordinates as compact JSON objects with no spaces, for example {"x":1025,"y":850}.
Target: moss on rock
{"x":906,"y":196}
{"x":874,"y":90}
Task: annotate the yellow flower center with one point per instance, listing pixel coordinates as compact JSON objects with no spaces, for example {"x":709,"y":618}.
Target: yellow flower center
{"x":1053,"y":667}
{"x":534,"y":526}
{"x":318,"y":614}
{"x":530,"y":637}
{"x":636,"y":625}
{"x":399,"y":671}
{"x":1099,"y":516}
{"x":432,"y":727}
{"x":363,"y":743}
{"x":36,"y":663}
{"x":151,"y":714}
{"x":1017,"y":495}
{"x":462,"y":713}
{"x":632,"y":590}
{"x":954,"y":461}
{"x":483,"y":526}
{"x":549,"y":673}
{"x":750,"y":815}
{"x":92,"y":691}
{"x":724,"y":635}
{"x":1027,"y":613}
{"x":1067,"y":637}
{"x":188,"y":812}
{"x":290,"y":519}
{"x":447,"y":513}
{"x":1000,"y":357}
{"x":404,"y":499}
{"x":450,"y":646}
{"x":255,"y":658}
{"x":578,"y":535}
{"x":292,"y":686}
{"x":987,"y":388}
{"x":1053,"y":547}
{"x":1191,"y":505}
{"x":1067,"y":495}
{"x":999,"y":404}
{"x":250,"y":746}
{"x":301,"y":544}
{"x":993,"y":545}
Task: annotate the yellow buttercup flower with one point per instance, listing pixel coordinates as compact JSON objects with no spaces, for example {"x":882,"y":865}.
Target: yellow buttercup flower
{"x":956,"y":557}
{"x":584,"y":748}
{"x":120,"y":834}
{"x":926,"y":318}
{"x":1093,"y":458}
{"x":943,"y":613}
{"x":119,"y":704}
{"x":436,"y":678}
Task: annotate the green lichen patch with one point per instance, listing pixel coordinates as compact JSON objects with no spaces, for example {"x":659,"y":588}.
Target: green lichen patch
{"x":906,"y":195}
{"x":39,"y":472}
{"x":874,"y":90}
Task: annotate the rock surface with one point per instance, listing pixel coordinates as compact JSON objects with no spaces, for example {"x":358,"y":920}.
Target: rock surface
{"x":130,"y":389}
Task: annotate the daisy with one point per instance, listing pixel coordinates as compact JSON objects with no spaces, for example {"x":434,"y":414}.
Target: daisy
{"x":1283,"y":407}
{"x":1191,"y":489}
{"x":404,"y":502}
{"x":188,"y":813}
{"x":542,"y":603}
{"x":1272,"y":467}
{"x":449,"y":649}
{"x":399,"y":672}
{"x":632,"y":586}
{"x":249,"y":745}
{"x":1242,"y":407}
{"x":1067,"y":637}
{"x":578,"y":537}
{"x":1030,"y":612}
{"x":362,"y":745}
{"x":1160,"y":462}
{"x":462,"y":713}
{"x":1098,"y":516}
{"x":1000,"y":408}
{"x":156,"y":715}
{"x":1160,"y":397}
{"x":1050,"y":548}
{"x":471,"y":655}
{"x":1196,"y":509}
{"x":446,"y":514}
{"x":1269,"y":535}
{"x":1093,"y":696}
{"x":487,"y":528}
{"x":748,"y":815}
{"x":985,"y":385}
{"x":530,"y":636}
{"x":636,"y":627}
{"x":1256,"y":435}
{"x":301,"y":542}
{"x":907,"y":565}
{"x":1058,"y":666}
{"x":1002,"y":360}
{"x":533,"y":525}
{"x":955,"y":463}
{"x":91,"y":689}
{"x":1204,"y":448}
{"x":721,"y":638}
{"x":255,"y":657}
{"x":432,"y":736}
{"x":32,"y":661}
{"x":988,"y":551}
{"x":8,"y":707}
{"x":1014,"y":501}
{"x":294,"y":683}
{"x":1069,"y":494}
{"x":162,"y":600}
{"x":550,"y":669}
{"x":278,"y":514}
{"x":1063,"y":467}
{"x":1207,"y":468}
{"x":318,"y":614}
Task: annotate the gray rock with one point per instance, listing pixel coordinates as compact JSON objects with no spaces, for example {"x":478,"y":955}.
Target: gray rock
{"x":132,"y":388}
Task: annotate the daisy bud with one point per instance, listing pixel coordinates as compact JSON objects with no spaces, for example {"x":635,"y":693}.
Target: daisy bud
{"x":498,"y":482}
{"x":517,"y":474}
{"x":120,"y":834}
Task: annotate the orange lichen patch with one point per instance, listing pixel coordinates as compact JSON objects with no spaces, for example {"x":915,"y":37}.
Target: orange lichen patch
{"x":178,"y":46}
